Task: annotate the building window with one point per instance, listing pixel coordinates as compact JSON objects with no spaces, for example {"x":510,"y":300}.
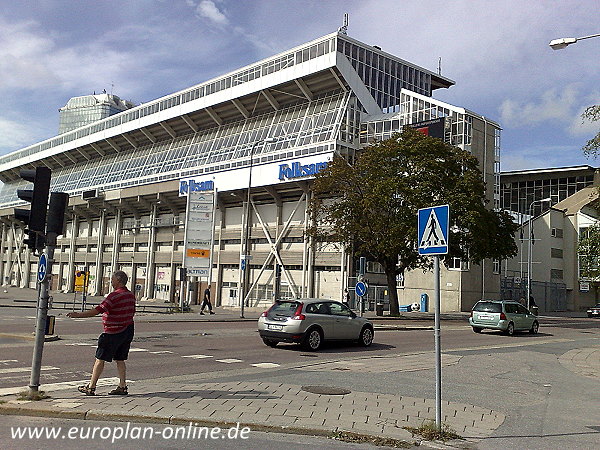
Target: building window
{"x":496,"y":266}
{"x":458,"y":264}
{"x":556,"y":274}
{"x":557,"y":233}
{"x":556,"y":252}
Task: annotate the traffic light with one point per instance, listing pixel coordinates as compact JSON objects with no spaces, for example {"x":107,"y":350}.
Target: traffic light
{"x":56,"y":213}
{"x":35,"y":217}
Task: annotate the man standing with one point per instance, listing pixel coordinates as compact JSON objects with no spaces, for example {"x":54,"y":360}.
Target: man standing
{"x":117,"y":309}
{"x":206,"y":302}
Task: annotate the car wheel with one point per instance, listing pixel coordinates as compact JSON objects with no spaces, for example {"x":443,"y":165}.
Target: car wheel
{"x":313,"y":340}
{"x":535,"y":326}
{"x":510,"y":329}
{"x":477,"y":329}
{"x":366,"y":337}
{"x":270,"y":342}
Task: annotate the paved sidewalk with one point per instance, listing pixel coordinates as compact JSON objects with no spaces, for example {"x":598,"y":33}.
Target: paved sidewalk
{"x":262,"y":406}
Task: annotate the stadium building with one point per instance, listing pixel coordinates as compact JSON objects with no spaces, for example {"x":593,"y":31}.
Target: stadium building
{"x":258,"y":133}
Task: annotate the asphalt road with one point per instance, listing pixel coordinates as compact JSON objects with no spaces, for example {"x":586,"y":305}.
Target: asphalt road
{"x":547,"y":405}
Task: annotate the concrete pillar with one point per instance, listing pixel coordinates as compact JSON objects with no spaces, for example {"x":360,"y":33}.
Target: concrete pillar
{"x":74,"y":232}
{"x":116,"y":240}
{"x":150,"y":260}
{"x":3,"y":244}
{"x":26,"y":268}
{"x":9,"y":254}
{"x":219,"y":283}
{"x":311,"y":255}
{"x":99,"y":252}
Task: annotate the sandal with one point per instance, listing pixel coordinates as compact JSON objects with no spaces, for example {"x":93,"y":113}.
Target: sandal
{"x":87,"y":390}
{"x":119,"y":391}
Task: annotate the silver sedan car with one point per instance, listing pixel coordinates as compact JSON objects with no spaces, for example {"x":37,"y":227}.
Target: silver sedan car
{"x":310,"y":321}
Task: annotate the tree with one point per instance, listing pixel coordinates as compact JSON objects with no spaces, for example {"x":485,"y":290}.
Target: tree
{"x":592,"y":147}
{"x":588,"y":250}
{"x":372,"y":204}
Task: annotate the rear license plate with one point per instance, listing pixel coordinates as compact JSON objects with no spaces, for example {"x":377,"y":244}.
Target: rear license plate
{"x":485,"y":317}
{"x":275,"y":327}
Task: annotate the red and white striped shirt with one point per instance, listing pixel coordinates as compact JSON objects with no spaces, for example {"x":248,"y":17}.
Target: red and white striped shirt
{"x":118,"y":309}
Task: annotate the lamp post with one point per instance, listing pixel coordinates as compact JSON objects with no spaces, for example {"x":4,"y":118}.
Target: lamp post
{"x":245,"y":275}
{"x":557,"y":44}
{"x":530,"y":245}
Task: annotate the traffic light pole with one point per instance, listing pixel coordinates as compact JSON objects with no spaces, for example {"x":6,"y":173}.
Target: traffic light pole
{"x":40,"y":329}
{"x":54,"y":228}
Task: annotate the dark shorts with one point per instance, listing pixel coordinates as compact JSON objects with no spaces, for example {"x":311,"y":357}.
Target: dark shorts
{"x":114,"y":346}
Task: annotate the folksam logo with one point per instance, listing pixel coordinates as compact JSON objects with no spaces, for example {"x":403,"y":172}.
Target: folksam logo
{"x":192,"y":186}
{"x":297,"y":170}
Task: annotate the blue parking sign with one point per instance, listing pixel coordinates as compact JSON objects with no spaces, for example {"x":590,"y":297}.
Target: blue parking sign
{"x":433,"y":227}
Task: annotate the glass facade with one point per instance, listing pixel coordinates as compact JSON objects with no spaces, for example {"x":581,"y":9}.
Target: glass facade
{"x":518,"y":191}
{"x":81,"y":111}
{"x":302,"y":129}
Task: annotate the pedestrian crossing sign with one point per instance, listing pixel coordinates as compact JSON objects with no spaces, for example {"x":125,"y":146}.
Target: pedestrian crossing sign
{"x":433,"y":227}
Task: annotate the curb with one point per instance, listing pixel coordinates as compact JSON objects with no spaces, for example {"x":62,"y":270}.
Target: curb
{"x":30,"y":337}
{"x":18,"y":410}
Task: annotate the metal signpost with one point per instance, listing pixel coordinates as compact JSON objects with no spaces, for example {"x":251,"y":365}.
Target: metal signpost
{"x":433,"y":231}
{"x":361,"y":290}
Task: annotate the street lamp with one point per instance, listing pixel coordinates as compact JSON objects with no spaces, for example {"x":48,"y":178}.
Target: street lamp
{"x":557,"y":44}
{"x":245,"y":276}
{"x":530,"y":245}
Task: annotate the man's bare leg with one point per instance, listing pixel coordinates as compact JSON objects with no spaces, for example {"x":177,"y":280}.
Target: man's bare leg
{"x":122,"y":373}
{"x":96,"y":372}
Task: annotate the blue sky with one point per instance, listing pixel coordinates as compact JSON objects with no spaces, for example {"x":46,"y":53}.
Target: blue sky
{"x":496,"y":51}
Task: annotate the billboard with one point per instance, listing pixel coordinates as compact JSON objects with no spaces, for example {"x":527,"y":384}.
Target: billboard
{"x":434,"y":127}
{"x":198,"y":239}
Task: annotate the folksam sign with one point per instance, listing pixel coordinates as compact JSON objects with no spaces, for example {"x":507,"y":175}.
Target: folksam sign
{"x":297,"y":170}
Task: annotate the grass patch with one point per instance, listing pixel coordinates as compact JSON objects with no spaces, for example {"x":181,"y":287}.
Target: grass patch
{"x":346,"y":436}
{"x":430,"y":432}
{"x":36,"y":396}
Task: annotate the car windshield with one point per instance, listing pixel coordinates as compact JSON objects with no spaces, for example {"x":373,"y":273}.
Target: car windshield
{"x":284,"y":309}
{"x":488,"y":307}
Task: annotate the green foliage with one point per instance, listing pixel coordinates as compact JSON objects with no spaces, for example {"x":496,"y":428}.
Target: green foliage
{"x":373,"y":204}
{"x":589,"y":253}
{"x":592,"y":147}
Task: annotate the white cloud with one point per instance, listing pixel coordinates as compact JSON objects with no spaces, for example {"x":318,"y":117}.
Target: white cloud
{"x":553,"y":104}
{"x":14,"y":134}
{"x":210,"y":11}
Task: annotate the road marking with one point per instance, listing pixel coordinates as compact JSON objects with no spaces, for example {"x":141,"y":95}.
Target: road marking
{"x":25,"y":369}
{"x":82,"y":343}
{"x":198,"y":356}
{"x":162,"y":351}
{"x":265,"y":365}
{"x":229,"y":360}
{"x":61,"y":386}
{"x":8,"y":361}
{"x":138,"y":350}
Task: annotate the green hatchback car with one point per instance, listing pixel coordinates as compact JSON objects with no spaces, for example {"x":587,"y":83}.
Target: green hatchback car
{"x":506,"y":316}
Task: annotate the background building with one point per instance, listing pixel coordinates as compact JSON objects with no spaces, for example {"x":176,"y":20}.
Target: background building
{"x":81,"y":111}
{"x":283,"y":118}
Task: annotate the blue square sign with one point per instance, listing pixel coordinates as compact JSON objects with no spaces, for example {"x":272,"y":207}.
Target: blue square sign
{"x":433,"y":227}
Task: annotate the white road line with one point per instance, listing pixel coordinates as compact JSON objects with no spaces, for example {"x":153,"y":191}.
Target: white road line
{"x":198,"y":356}
{"x":63,"y":385}
{"x":26,"y":369}
{"x":8,"y":361}
{"x":138,"y":350}
{"x":229,"y":360}
{"x":265,"y":365}
{"x":162,"y":351}
{"x":82,"y":343}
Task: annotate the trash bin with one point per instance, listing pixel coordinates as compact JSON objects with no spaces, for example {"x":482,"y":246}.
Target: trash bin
{"x":424,"y":303}
{"x":535,"y":310}
{"x":50,"y":325}
{"x":379,"y":309}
